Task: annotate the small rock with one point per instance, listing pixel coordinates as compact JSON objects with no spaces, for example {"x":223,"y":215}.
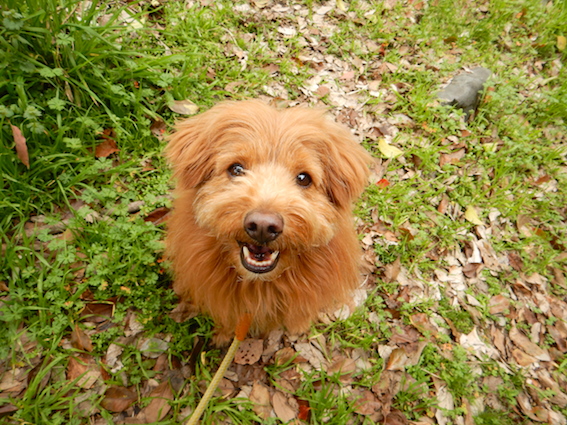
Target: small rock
{"x":464,"y":90}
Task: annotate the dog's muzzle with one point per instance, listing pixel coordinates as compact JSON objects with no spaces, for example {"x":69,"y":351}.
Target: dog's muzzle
{"x":262,"y":227}
{"x":257,"y":258}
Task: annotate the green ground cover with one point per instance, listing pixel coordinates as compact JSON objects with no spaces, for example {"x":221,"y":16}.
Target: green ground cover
{"x":463,"y":313}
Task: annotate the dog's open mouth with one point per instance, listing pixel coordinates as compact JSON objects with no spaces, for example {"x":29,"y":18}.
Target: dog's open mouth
{"x":258,"y":258}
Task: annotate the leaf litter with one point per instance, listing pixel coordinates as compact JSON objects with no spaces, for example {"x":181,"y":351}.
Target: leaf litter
{"x":525,"y":329}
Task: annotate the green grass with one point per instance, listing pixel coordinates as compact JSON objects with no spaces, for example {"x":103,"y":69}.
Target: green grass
{"x":73,"y":73}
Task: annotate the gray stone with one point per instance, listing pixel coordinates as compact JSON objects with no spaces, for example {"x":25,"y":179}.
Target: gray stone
{"x":465,"y":89}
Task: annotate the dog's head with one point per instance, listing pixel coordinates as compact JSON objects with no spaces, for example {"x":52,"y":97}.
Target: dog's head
{"x":267,"y":184}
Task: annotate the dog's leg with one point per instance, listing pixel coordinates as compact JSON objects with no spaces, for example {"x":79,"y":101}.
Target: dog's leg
{"x":222,"y":336}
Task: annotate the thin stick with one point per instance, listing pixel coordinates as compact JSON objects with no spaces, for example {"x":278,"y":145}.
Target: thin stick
{"x":241,"y":331}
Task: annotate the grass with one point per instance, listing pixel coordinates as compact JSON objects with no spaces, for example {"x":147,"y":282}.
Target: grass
{"x":75,"y":254}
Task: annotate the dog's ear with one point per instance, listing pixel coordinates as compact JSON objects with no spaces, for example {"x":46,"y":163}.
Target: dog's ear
{"x":346,"y":165}
{"x":190,"y":151}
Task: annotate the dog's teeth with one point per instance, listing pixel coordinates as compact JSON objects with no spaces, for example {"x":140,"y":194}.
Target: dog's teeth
{"x":246,"y":252}
{"x":275,"y":255}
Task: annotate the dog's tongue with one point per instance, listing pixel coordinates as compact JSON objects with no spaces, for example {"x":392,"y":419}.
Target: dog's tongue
{"x":259,"y":250}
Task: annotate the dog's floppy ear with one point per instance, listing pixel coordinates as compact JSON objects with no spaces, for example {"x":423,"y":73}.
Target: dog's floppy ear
{"x":346,"y":166}
{"x":190,"y":151}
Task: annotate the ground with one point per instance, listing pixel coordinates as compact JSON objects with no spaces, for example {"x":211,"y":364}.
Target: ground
{"x":461,"y":316}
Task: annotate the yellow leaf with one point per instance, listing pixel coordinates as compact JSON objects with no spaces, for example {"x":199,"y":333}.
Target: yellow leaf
{"x":341,"y":6}
{"x":561,"y":42}
{"x":472,"y":216}
{"x":388,"y":150}
{"x":184,"y":107}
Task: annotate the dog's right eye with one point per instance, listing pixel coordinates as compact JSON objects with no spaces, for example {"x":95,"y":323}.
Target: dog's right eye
{"x":236,"y":170}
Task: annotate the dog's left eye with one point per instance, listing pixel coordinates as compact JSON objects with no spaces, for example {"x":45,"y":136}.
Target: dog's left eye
{"x":303,"y":179}
{"x":236,"y":170}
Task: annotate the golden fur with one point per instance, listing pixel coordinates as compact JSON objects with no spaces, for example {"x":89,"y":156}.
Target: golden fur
{"x":317,"y":265}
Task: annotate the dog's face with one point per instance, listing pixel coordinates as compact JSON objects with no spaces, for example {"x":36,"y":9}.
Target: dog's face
{"x":268,"y":185}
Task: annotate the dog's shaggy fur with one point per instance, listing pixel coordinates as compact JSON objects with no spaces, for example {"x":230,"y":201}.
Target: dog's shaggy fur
{"x":262,"y":220}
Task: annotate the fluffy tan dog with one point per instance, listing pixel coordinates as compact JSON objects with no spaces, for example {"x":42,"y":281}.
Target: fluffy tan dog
{"x":262,"y":220}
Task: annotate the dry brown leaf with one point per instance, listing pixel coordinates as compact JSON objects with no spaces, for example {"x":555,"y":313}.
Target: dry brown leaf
{"x":158,"y":216}
{"x":249,"y":351}
{"x":84,"y":369}
{"x":311,"y":354}
{"x":522,"y":358}
{"x":80,"y":340}
{"x":284,"y":356}
{"x":21,"y":146}
{"x":158,"y":128}
{"x":260,"y":396}
{"x":322,"y":91}
{"x":536,"y":413}
{"x":524,"y":343}
{"x":524,"y":225}
{"x":7,"y":409}
{"x":498,"y":304}
{"x":367,"y":404}
{"x":442,"y":207}
{"x":159,"y":406}
{"x":559,"y":334}
{"x":451,"y":158}
{"x":392,"y":270}
{"x":118,"y":399}
{"x":106,"y":148}
{"x":286,"y":408}
{"x":342,"y":365}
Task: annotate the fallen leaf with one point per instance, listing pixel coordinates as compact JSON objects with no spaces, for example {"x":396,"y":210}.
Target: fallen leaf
{"x":561,"y":42}
{"x":472,"y":216}
{"x":106,"y":148}
{"x":347,"y":75}
{"x":260,"y":396}
{"x":392,"y":270}
{"x":388,"y":150}
{"x":286,"y":408}
{"x":322,"y":91}
{"x":524,"y":343}
{"x":367,"y":404}
{"x":451,"y":158}
{"x":184,"y":107}
{"x":80,"y":340}
{"x":498,"y":304}
{"x":158,"y":128}
{"x":383,"y":183}
{"x":304,"y":410}
{"x":83,"y":369}
{"x":157,"y":216}
{"x":249,"y":351}
{"x":283,"y":356}
{"x":7,"y":409}
{"x":118,"y":399}
{"x":443,"y":204}
{"x":21,"y":146}
{"x":159,"y":406}
{"x":311,"y":354}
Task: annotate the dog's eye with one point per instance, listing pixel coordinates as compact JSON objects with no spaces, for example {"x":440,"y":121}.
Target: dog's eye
{"x":303,"y":179}
{"x":236,"y":170}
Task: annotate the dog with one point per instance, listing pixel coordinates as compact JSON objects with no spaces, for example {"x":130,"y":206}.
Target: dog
{"x":262,"y":219}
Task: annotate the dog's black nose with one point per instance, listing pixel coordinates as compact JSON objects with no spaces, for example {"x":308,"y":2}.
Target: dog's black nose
{"x":263,"y":227}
